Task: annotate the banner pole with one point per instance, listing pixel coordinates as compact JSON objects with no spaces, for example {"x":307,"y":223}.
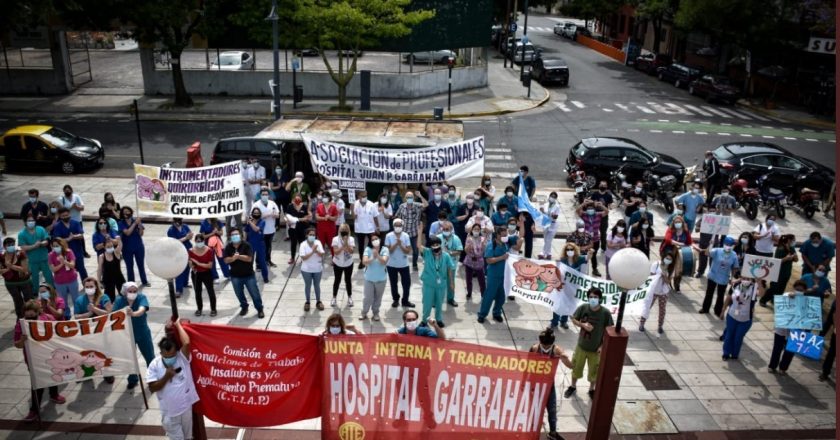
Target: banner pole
{"x":130,"y":324}
{"x":143,"y":390}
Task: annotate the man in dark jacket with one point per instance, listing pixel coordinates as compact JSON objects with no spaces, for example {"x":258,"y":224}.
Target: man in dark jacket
{"x":711,"y":168}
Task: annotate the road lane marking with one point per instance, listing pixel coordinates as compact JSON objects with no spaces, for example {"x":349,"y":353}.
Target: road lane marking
{"x":768,"y":137}
{"x":498,"y":150}
{"x":656,"y":131}
{"x":677,"y":132}
{"x":608,"y":110}
{"x":736,"y":113}
{"x":624,"y":107}
{"x":677,"y":108}
{"x":715,"y":111}
{"x":787,"y":138}
{"x":810,"y":140}
{"x":578,"y":104}
{"x":500,"y":157}
{"x":724,"y":134}
{"x":746,"y":135}
{"x":645,"y":109}
{"x":697,"y":110}
{"x":700,"y":132}
{"x":562,"y":106}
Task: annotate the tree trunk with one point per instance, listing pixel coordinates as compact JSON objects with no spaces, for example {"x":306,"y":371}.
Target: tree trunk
{"x":657,"y":35}
{"x":342,"y":95}
{"x":182,"y":98}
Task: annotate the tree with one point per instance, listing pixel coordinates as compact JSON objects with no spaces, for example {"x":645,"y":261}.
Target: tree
{"x":657,"y":12}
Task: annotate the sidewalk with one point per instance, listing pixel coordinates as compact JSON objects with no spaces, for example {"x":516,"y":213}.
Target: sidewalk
{"x":713,"y":395}
{"x":504,"y":94}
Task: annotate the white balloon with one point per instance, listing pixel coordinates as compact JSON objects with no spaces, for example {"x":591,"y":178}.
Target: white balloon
{"x":166,"y":257}
{"x":629,"y":268}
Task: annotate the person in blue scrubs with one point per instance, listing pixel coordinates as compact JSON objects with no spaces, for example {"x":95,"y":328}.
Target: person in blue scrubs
{"x":71,"y":231}
{"x":102,"y":233}
{"x":496,"y":255}
{"x":182,"y":233}
{"x":254,"y":227}
{"x":131,"y":233}
{"x":130,"y":296}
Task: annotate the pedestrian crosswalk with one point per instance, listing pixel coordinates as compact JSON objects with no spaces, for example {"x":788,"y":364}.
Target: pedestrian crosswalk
{"x":664,"y":108}
{"x":540,"y":29}
{"x":499,"y":162}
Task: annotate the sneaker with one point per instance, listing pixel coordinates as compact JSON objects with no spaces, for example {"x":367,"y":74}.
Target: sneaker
{"x":178,"y":294}
{"x":395,"y":304}
{"x":260,"y":314}
{"x":414,"y":268}
{"x":642,"y":328}
{"x":319,"y":305}
{"x":511,"y":298}
{"x":569,"y":391}
{"x":660,"y":330}
{"x":332,"y":302}
{"x":823,"y":378}
{"x":109,"y":379}
{"x":363,"y":317}
{"x":31,"y":417}
{"x":132,"y":385}
{"x":408,"y":304}
{"x":375,"y":317}
{"x":349,"y":302}
{"x":306,"y":306}
{"x":564,"y":325}
{"x":781,"y":372}
{"x":771,"y":370}
{"x":59,"y":399}
{"x":498,"y":319}
{"x":595,"y":273}
{"x":198,"y":313}
{"x":452,"y":303}
{"x":272,"y":264}
{"x":553,"y":435}
{"x":703,"y":312}
{"x":147,"y":284}
{"x":361,"y":266}
{"x":243,"y":311}
{"x":441,"y":324}
{"x":469,"y":295}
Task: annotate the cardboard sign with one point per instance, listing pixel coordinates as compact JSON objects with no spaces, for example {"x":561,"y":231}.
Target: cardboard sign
{"x":758,"y":267}
{"x":798,"y":312}
{"x":715,"y":224}
{"x":805,"y":343}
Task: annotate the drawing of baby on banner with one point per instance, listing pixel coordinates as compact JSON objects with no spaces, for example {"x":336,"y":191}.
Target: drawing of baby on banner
{"x":537,"y":282}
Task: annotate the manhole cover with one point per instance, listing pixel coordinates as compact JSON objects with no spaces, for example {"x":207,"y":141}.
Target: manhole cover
{"x":657,"y":380}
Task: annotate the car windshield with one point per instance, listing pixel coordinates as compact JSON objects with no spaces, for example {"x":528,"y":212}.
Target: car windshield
{"x":554,"y":63}
{"x":720,"y":80}
{"x":229,"y":59}
{"x":579,"y":150}
{"x":59,"y":138}
{"x":721,"y":153}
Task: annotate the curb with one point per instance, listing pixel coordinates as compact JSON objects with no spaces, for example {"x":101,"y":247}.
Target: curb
{"x":815,"y":123}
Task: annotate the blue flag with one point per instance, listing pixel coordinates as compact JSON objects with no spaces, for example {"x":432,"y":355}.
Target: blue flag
{"x":525,"y":205}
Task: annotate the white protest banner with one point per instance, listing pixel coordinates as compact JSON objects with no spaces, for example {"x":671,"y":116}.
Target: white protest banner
{"x":715,"y":224}
{"x":576,"y":285}
{"x":536,"y":282}
{"x":70,"y":351}
{"x":194,"y":193}
{"x":394,"y":165}
{"x":759,"y":267}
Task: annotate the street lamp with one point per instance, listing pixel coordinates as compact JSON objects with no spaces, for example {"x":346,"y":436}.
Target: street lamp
{"x":628,"y":270}
{"x":167,"y":259}
{"x":451,"y":62}
{"x":275,"y":86}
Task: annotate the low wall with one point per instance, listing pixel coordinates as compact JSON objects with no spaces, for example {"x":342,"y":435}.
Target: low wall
{"x":33,"y":81}
{"x":604,"y":49}
{"x":315,"y":84}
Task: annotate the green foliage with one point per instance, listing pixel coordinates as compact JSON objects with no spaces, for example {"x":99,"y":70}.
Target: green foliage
{"x":746,"y":23}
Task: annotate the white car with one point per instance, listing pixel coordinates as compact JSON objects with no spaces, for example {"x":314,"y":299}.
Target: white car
{"x":234,"y":60}
{"x":569,"y":30}
{"x":435,"y":56}
{"x":558,"y":27}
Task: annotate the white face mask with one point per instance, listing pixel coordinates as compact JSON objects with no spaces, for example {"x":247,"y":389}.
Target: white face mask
{"x":667,"y":261}
{"x":620,"y":229}
{"x":131,"y":296}
{"x":552,"y":200}
{"x":505,"y":239}
{"x":411,"y":325}
{"x":581,"y":230}
{"x":375,"y":243}
{"x":383,"y":200}
{"x":677,"y":225}
{"x":476,"y":233}
{"x":570,"y":253}
{"x":89,"y":291}
{"x":645,"y":226}
{"x":334,"y":330}
{"x":509,"y":194}
{"x":398,"y":229}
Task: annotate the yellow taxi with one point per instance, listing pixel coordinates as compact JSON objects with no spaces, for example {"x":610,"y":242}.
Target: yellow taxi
{"x":44,"y":147}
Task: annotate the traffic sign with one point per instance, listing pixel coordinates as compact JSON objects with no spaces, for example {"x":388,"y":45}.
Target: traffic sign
{"x":513,"y":27}
{"x":295,"y":64}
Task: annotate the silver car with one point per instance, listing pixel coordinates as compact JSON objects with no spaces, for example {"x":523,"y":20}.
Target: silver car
{"x":234,"y":60}
{"x":434,"y":56}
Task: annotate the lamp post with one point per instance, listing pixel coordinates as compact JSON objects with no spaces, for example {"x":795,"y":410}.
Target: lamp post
{"x":167,"y":258}
{"x":628,"y":270}
{"x":275,"y":86}
{"x":524,"y":41}
{"x":451,"y":62}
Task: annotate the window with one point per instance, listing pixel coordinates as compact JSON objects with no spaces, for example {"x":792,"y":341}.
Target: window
{"x":577,"y":151}
{"x":262,"y":147}
{"x":636,"y":156}
{"x":33,"y":143}
{"x":759,"y":161}
{"x":612,"y":154}
{"x":242,"y":146}
{"x":13,"y":144}
{"x":788,"y":162}
{"x":721,"y":153}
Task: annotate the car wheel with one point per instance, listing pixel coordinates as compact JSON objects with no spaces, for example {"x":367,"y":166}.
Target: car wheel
{"x":68,"y":167}
{"x":809,"y":211}
{"x":690,"y":90}
{"x":677,"y":83}
{"x":661,"y":77}
{"x":444,"y":60}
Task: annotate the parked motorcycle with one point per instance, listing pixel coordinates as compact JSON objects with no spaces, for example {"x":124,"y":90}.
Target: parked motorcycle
{"x":661,"y":189}
{"x":581,"y":184}
{"x":692,"y":174}
{"x":744,"y":195}
{"x":769,"y":195}
{"x":804,"y":198}
{"x":618,"y":181}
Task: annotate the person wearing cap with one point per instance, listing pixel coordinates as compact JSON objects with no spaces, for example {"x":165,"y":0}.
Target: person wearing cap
{"x":297,"y":187}
{"x":723,"y":265}
{"x":583,"y":240}
{"x":131,"y":297}
{"x":437,"y":277}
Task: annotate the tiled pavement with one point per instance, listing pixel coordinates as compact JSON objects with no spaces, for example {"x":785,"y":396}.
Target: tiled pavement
{"x":735,"y":399}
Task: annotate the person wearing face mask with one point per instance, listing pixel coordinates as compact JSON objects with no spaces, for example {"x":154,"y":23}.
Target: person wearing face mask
{"x":75,"y":206}
{"x":253,"y":175}
{"x":495,"y":257}
{"x":738,"y":312}
{"x":679,"y":210}
{"x":366,"y":222}
{"x":711,"y":169}
{"x":62,"y":262}
{"x":501,"y":216}
{"x":588,"y":212}
{"x":134,"y":251}
{"x":384,"y":214}
{"x":170,"y":378}
{"x":723,"y":264}
{"x":455,"y":203}
{"x":787,"y":254}
{"x":326,"y":215}
{"x":32,"y":312}
{"x":91,"y":304}
{"x":511,"y":200}
{"x":50,"y":302}
{"x":53,"y":215}
{"x":394,"y":200}
{"x":435,"y":228}
{"x":606,"y":198}
{"x":102,"y":234}
{"x":298,"y":219}
{"x":817,"y":284}
{"x":547,"y":347}
{"x":433,"y":209}
{"x":692,"y":201}
{"x":336,"y":326}
{"x":131,"y":297}
{"x":399,"y":246}
{"x":277,"y":184}
{"x":780,"y":358}
{"x":297,"y":187}
{"x":71,"y":231}
{"x":240,"y":257}
{"x":485,"y":194}
{"x":482,"y":220}
{"x":677,"y":236}
{"x":412,"y":326}
{"x":376,"y":258}
{"x":616,"y":240}
{"x":633,"y":196}
{"x":474,"y":260}
{"x":255,"y":234}
{"x":35,"y":242}
{"x":660,"y":290}
{"x":335,"y":193}
{"x":815,"y":251}
{"x":111,"y":204}
{"x":201,"y":262}
{"x":109,"y":270}
{"x":515,"y":229}
{"x":643,"y":211}
{"x":552,"y":209}
{"x":429,"y":189}
{"x":269,"y":213}
{"x":530,"y":183}
{"x":411,"y":213}
{"x":311,"y":267}
{"x":36,"y":208}
{"x":572,"y":258}
{"x":641,"y":234}
{"x":437,"y":278}
{"x":453,"y":246}
{"x":593,"y":320}
{"x":212,"y":229}
{"x":15,"y":271}
{"x":181,"y":232}
{"x":766,"y":236}
{"x":343,"y":246}
{"x":831,"y":355}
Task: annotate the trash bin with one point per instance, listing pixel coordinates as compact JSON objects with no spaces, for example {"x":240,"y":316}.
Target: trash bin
{"x":298,"y":94}
{"x":438,"y":112}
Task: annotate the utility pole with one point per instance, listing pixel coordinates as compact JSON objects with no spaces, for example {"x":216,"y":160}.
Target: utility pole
{"x":524,"y":41}
{"x":503,"y":36}
{"x":139,"y":137}
{"x":275,"y":86}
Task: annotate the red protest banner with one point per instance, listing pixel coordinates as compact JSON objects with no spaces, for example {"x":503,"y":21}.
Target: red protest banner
{"x":251,"y":378}
{"x":410,"y":388}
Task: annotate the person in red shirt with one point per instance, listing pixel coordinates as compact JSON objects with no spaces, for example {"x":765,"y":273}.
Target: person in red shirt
{"x":326,"y":215}
{"x":32,"y":311}
{"x":677,"y":236}
{"x":201,"y":261}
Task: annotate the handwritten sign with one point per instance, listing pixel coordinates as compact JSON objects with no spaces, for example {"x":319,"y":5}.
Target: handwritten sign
{"x":759,"y":267}
{"x":798,"y":312}
{"x":715,"y":224}
{"x":805,"y":343}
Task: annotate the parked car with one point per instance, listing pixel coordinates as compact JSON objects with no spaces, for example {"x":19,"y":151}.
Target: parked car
{"x":550,"y":70}
{"x":511,"y":41}
{"x":750,"y":161}
{"x":569,"y":31}
{"x":310,"y":52}
{"x":558,"y":27}
{"x":231,"y":149}
{"x":435,"y":56}
{"x":678,"y":74}
{"x":349,"y":53}
{"x":714,"y":87}
{"x":650,"y":62}
{"x":526,"y":54}
{"x":598,"y":156}
{"x":233,"y":60}
{"x":42,"y":147}
{"x":582,"y":31}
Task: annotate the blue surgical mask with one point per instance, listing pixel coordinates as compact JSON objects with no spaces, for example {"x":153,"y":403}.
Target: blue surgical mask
{"x":44,"y":295}
{"x":594,"y":302}
{"x":770,"y":223}
{"x":446,"y":233}
{"x":310,"y":238}
{"x":642,"y":210}
{"x":409,"y":200}
{"x":667,"y":261}
{"x":33,"y":200}
{"x":590,"y":212}
{"x":30,"y":224}
{"x":235,"y":238}
{"x":437,"y":197}
{"x":677,"y":225}
{"x":169,"y":361}
{"x":264,"y":199}
{"x":11,"y":249}
{"x":819,"y":274}
{"x":57,"y":249}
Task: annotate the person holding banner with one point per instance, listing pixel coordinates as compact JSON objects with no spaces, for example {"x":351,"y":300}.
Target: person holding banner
{"x":240,"y":257}
{"x":34,"y":240}
{"x":170,"y":378}
{"x":723,"y":264}
{"x":131,"y":231}
{"x":182,"y":233}
{"x":133,"y":298}
{"x":552,"y":209}
{"x":817,"y":284}
{"x":817,"y":250}
{"x":738,"y":312}
{"x":15,"y":270}
{"x":255,"y":234}
{"x":723,"y":205}
{"x":375,"y":259}
{"x":496,"y":255}
{"x":411,"y":326}
{"x":474,"y":260}
{"x":50,"y":302}
{"x":781,"y":358}
{"x":92,"y":304}
{"x":437,"y":278}
{"x":71,"y":231}
{"x":766,"y":236}
{"x":336,"y":326}
{"x":786,"y":252}
{"x":593,"y":320}
{"x":32,"y":312}
{"x":110,"y":269}
{"x":616,"y":239}
{"x":62,"y":263}
{"x":411,"y":213}
{"x":547,"y":347}
{"x":529,"y":182}
{"x":571,"y":258}
{"x":664,"y":271}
